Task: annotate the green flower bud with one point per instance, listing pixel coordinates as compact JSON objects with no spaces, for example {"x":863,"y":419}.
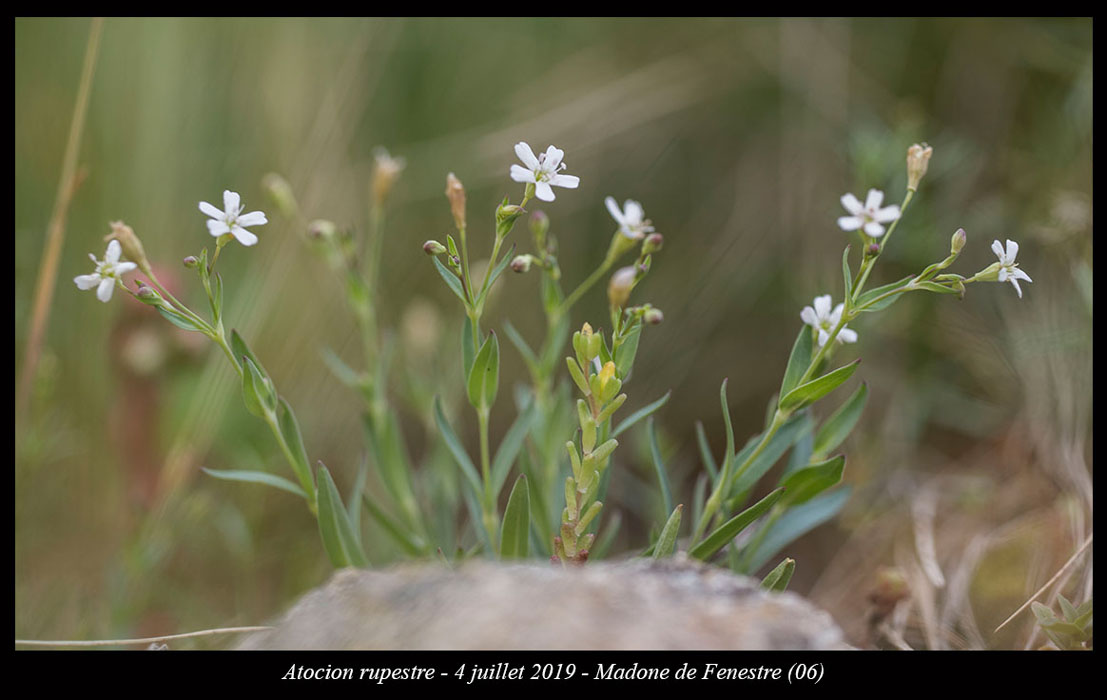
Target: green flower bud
{"x":191,"y":262}
{"x":433,"y":248}
{"x":957,"y":242}
{"x":652,"y":244}
{"x":653,"y":317}
{"x":521,"y":263}
{"x":622,"y":282}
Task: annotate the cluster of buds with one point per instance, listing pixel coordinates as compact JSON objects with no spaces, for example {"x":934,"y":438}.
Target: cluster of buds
{"x":600,"y":385}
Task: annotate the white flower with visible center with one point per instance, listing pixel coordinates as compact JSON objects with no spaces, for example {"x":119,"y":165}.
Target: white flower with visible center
{"x":868,"y":216}
{"x":632,"y":221}
{"x":108,"y":272}
{"x":542,"y":170}
{"x":231,"y":220}
{"x":1009,"y":270}
{"x":822,"y":319}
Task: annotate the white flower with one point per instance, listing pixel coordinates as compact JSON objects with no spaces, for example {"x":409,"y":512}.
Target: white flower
{"x":542,"y":171}
{"x":868,"y":216}
{"x":632,"y":223}
{"x":231,"y":220}
{"x":1009,"y":271}
{"x":108,"y":272}
{"x":822,"y":319}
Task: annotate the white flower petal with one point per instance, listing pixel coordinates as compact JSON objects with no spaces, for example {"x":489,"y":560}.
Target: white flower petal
{"x":522,"y":149}
{"x":1017,"y":287}
{"x":997,"y":248}
{"x":124,"y":267}
{"x":852,"y":204}
{"x":1002,"y":274}
{"x":254,"y":218}
{"x":613,"y":209}
{"x":808,"y":316}
{"x":218,"y":228}
{"x":86,"y":281}
{"x":570,"y":182}
{"x":889,"y":213}
{"x":1018,"y":274}
{"x":1012,"y":250}
{"x":874,"y":200}
{"x":211,"y":210}
{"x":874,"y":229}
{"x":231,"y":203}
{"x":103,"y":292}
{"x":823,"y":337}
{"x":822,"y":306}
{"x":849,"y":223}
{"x":847,"y":336}
{"x":113,"y":252}
{"x":836,"y":314}
{"x":521,"y":174}
{"x":553,"y":158}
{"x":243,"y":236}
{"x":544,"y":192}
{"x":634,"y":211}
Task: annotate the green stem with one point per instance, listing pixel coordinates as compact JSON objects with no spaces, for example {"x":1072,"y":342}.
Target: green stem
{"x":489,"y":506}
{"x":584,"y":286}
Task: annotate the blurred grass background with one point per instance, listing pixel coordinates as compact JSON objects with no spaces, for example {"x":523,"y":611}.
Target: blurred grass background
{"x":971,"y":466}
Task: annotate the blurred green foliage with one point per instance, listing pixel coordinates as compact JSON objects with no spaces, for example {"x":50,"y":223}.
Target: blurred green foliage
{"x":738,"y":136}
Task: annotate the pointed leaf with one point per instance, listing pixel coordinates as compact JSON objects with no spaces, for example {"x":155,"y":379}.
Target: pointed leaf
{"x":452,"y":281}
{"x":178,"y":319}
{"x":334,"y":525}
{"x":798,"y":361}
{"x":484,"y":377}
{"x":241,"y":348}
{"x":510,"y":446}
{"x":777,"y":579}
{"x":815,"y":389}
{"x":290,"y":431}
{"x":838,"y":427}
{"x":256,"y":477}
{"x":867,"y":298}
{"x":520,"y":344}
{"x":705,"y":454}
{"x":645,"y":411}
{"x":461,"y":457}
{"x":666,"y":541}
{"x":515,"y":531}
{"x":409,"y":543}
{"x":659,"y":467}
{"x":809,"y":482}
{"x":847,"y":275}
{"x":796,"y":522}
{"x":731,"y":528}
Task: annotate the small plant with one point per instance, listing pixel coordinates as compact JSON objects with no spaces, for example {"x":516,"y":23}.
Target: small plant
{"x":560,"y":449}
{"x":1071,"y":631}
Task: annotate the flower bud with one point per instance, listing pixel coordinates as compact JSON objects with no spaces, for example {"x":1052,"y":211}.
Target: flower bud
{"x":957,"y":242}
{"x":872,"y":249}
{"x":190,"y":261}
{"x":455,"y":192}
{"x":280,"y":192}
{"x":321,"y":228}
{"x":653,"y":317}
{"x":433,"y":248}
{"x":521,"y":263}
{"x":918,"y":158}
{"x":652,"y":244}
{"x":128,"y":241}
{"x":385,"y":171}
{"x":506,"y":214}
{"x":147,"y":295}
{"x":618,"y":290}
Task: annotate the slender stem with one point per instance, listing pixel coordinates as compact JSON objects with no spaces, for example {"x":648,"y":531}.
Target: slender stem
{"x":584,"y":286}
{"x":489,"y":507}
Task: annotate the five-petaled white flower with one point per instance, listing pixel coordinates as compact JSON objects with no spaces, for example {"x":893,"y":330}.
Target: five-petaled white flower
{"x":632,"y":223}
{"x":108,"y":272}
{"x":542,"y":171}
{"x":868,"y":216}
{"x":822,"y":319}
{"x":1009,"y":270}
{"x":231,"y":220}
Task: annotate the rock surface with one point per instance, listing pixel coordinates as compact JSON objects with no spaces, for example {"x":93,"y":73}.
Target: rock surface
{"x":639,"y":604}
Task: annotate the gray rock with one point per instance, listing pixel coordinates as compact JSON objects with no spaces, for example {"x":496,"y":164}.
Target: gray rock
{"x":639,"y":604}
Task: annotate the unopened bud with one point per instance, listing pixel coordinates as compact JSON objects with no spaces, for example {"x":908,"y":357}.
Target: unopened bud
{"x":433,"y":248}
{"x":385,"y":171}
{"x":190,"y":261}
{"x":280,"y":192}
{"x":918,"y":158}
{"x":618,"y":290}
{"x":506,"y":214}
{"x":873,"y":249}
{"x":455,"y":192}
{"x":653,"y":317}
{"x":147,"y":295}
{"x":957,"y":242}
{"x":128,"y":241}
{"x":521,"y":263}
{"x":321,"y":228}
{"x":652,"y":244}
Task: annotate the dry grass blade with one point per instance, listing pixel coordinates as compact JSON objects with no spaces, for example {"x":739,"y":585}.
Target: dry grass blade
{"x":1070,"y":562}
{"x":131,"y":642}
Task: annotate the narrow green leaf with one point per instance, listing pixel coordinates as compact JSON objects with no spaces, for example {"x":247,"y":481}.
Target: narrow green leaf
{"x":353,"y":502}
{"x":290,"y":431}
{"x":786,"y":435}
{"x":868,"y":296}
{"x":1043,"y":613}
{"x":556,"y":341}
{"x":334,"y":525}
{"x":627,"y":350}
{"x":255,"y":394}
{"x":666,"y":541}
{"x":241,"y":348}
{"x":461,"y":457}
{"x":468,"y":346}
{"x":839,"y":425}
{"x":256,"y":477}
{"x":512,"y":443}
{"x":809,"y":482}
{"x":410,"y":544}
{"x":800,"y":455}
{"x":815,"y":389}
{"x":847,"y":275}
{"x":343,"y":372}
{"x":216,"y":298}
{"x":452,"y":281}
{"x":796,"y":522}
{"x":798,"y":360}
{"x":520,"y":344}
{"x":705,"y":455}
{"x":935,"y":287}
{"x":484,"y":377}
{"x":178,"y":319}
{"x":644,"y":412}
{"x":515,"y":531}
{"x":1067,"y":608}
{"x":731,"y":528}
{"x":659,"y":467}
{"x":777,"y":579}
